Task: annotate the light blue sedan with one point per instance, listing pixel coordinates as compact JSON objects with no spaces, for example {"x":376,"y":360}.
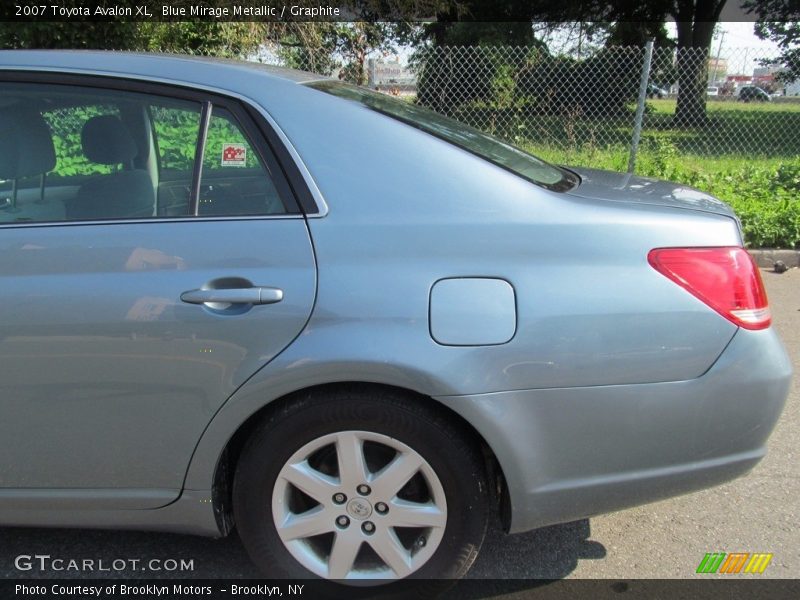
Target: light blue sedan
{"x":239,"y":296}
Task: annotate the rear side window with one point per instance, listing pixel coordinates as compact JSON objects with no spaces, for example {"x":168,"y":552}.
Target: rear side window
{"x":72,"y":153}
{"x":175,"y":130}
{"x":235,"y":181}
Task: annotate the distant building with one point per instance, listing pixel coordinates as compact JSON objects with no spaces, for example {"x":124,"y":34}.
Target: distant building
{"x":391,"y":76}
{"x":717,"y":70}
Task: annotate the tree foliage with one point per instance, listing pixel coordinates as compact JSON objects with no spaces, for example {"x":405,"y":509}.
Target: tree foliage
{"x":198,"y":37}
{"x":323,"y":47}
{"x":69,"y":35}
{"x":779,"y":21}
{"x":629,"y":22}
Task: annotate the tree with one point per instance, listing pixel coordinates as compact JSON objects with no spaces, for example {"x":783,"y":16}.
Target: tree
{"x":322,"y":47}
{"x":196,"y":37}
{"x":202,"y":37}
{"x":193,"y":37}
{"x":71,"y":34}
{"x":637,"y":33}
{"x":695,"y":21}
{"x":473,"y":72}
{"x":356,"y":41}
{"x":779,"y":21}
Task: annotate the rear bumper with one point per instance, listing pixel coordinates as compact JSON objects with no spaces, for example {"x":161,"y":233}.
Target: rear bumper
{"x":571,"y":453}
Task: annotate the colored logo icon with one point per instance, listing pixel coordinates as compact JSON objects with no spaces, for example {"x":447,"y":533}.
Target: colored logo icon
{"x":735,"y":562}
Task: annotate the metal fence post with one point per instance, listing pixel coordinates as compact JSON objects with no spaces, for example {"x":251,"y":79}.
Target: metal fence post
{"x":637,"y":122}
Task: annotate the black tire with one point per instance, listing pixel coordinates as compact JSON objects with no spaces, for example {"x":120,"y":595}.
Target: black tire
{"x":451,"y":452}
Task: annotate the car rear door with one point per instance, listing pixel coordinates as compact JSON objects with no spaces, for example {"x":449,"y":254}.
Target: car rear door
{"x":122,"y":333}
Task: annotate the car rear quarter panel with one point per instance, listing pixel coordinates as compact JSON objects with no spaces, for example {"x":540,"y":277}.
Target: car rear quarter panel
{"x":407,"y":209}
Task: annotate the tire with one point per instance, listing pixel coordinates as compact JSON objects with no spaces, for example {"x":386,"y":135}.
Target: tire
{"x":302,"y":445}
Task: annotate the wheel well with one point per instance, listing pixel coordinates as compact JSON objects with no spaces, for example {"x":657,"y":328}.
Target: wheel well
{"x":226,"y":465}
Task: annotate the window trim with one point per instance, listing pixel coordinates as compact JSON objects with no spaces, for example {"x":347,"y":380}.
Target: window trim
{"x":265,"y":141}
{"x":288,"y":158}
{"x":199,"y":155}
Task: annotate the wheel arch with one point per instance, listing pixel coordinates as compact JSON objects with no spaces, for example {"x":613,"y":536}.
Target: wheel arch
{"x":229,"y":454}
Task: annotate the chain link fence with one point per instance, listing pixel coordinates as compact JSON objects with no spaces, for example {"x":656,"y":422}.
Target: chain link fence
{"x":731,"y":103}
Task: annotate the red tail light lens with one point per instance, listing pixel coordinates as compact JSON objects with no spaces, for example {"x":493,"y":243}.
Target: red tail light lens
{"x":727,"y":279}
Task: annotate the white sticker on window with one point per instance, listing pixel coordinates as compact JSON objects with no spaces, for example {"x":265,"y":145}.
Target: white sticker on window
{"x":234,"y":155}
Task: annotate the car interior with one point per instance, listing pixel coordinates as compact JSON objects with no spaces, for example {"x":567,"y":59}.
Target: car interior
{"x":73,"y":154}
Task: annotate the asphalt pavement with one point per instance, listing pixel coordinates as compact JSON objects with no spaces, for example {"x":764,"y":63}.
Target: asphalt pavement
{"x":668,"y":539}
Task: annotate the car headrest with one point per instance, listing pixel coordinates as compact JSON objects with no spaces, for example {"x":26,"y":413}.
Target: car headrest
{"x":107,"y":140}
{"x":27,"y":147}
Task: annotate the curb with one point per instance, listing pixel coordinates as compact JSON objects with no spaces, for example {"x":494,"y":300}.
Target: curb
{"x":766,"y":257}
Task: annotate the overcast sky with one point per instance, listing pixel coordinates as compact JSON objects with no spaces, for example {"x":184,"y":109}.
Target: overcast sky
{"x":740,"y":46}
{"x":737,"y":35}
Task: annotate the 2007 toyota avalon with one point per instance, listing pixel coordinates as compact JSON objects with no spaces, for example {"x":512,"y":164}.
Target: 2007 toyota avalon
{"x":239,"y":296}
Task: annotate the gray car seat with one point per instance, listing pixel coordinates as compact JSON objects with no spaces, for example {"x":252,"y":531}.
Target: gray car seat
{"x":125,"y":194}
{"x":27,"y":148}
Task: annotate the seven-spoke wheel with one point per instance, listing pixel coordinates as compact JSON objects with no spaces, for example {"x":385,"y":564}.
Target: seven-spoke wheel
{"x":392,"y":523}
{"x":361,"y":484}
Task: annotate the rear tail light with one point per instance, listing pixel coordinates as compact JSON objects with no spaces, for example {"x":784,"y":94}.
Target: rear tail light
{"x":727,"y":279}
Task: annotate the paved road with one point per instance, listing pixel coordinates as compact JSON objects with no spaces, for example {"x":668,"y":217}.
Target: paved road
{"x":758,"y":513}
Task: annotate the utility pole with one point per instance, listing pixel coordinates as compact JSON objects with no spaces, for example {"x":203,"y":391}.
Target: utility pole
{"x":744,"y":64}
{"x":716,"y":62}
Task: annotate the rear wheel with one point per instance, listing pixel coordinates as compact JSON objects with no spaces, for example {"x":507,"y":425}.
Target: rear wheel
{"x":361,"y":484}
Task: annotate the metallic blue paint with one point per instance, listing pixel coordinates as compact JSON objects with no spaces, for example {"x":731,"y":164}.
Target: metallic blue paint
{"x":618,"y":386}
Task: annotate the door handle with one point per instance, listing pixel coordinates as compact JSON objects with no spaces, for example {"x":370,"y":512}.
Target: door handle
{"x":251,"y":295}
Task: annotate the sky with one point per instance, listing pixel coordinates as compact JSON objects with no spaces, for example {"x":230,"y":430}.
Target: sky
{"x":740,"y":35}
{"x":740,"y":46}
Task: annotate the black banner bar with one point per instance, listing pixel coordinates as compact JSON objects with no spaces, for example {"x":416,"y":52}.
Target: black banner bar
{"x":329,"y":10}
{"x":701,"y":588}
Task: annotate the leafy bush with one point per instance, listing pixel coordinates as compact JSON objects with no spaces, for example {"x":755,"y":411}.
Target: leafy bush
{"x":65,"y":125}
{"x":765,"y":197}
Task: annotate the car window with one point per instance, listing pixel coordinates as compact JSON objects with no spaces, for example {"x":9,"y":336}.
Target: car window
{"x":73,"y":153}
{"x":234,"y":180}
{"x":175,"y":129}
{"x":477,"y":142}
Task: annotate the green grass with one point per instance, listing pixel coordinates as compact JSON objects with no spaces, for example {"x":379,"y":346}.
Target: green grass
{"x":733,"y":129}
{"x":770,"y":129}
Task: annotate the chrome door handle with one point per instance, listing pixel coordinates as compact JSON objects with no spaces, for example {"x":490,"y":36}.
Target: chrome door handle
{"x":252,"y":295}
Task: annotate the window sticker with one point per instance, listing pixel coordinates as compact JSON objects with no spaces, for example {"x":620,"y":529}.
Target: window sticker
{"x":234,"y":155}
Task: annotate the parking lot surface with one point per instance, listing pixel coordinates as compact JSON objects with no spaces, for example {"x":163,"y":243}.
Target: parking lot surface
{"x":756,"y":513}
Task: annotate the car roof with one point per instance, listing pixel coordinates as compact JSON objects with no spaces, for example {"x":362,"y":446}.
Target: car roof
{"x":145,"y":65}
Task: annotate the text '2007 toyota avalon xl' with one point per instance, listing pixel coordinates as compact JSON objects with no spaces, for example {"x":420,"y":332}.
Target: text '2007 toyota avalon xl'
{"x":239,"y":296}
